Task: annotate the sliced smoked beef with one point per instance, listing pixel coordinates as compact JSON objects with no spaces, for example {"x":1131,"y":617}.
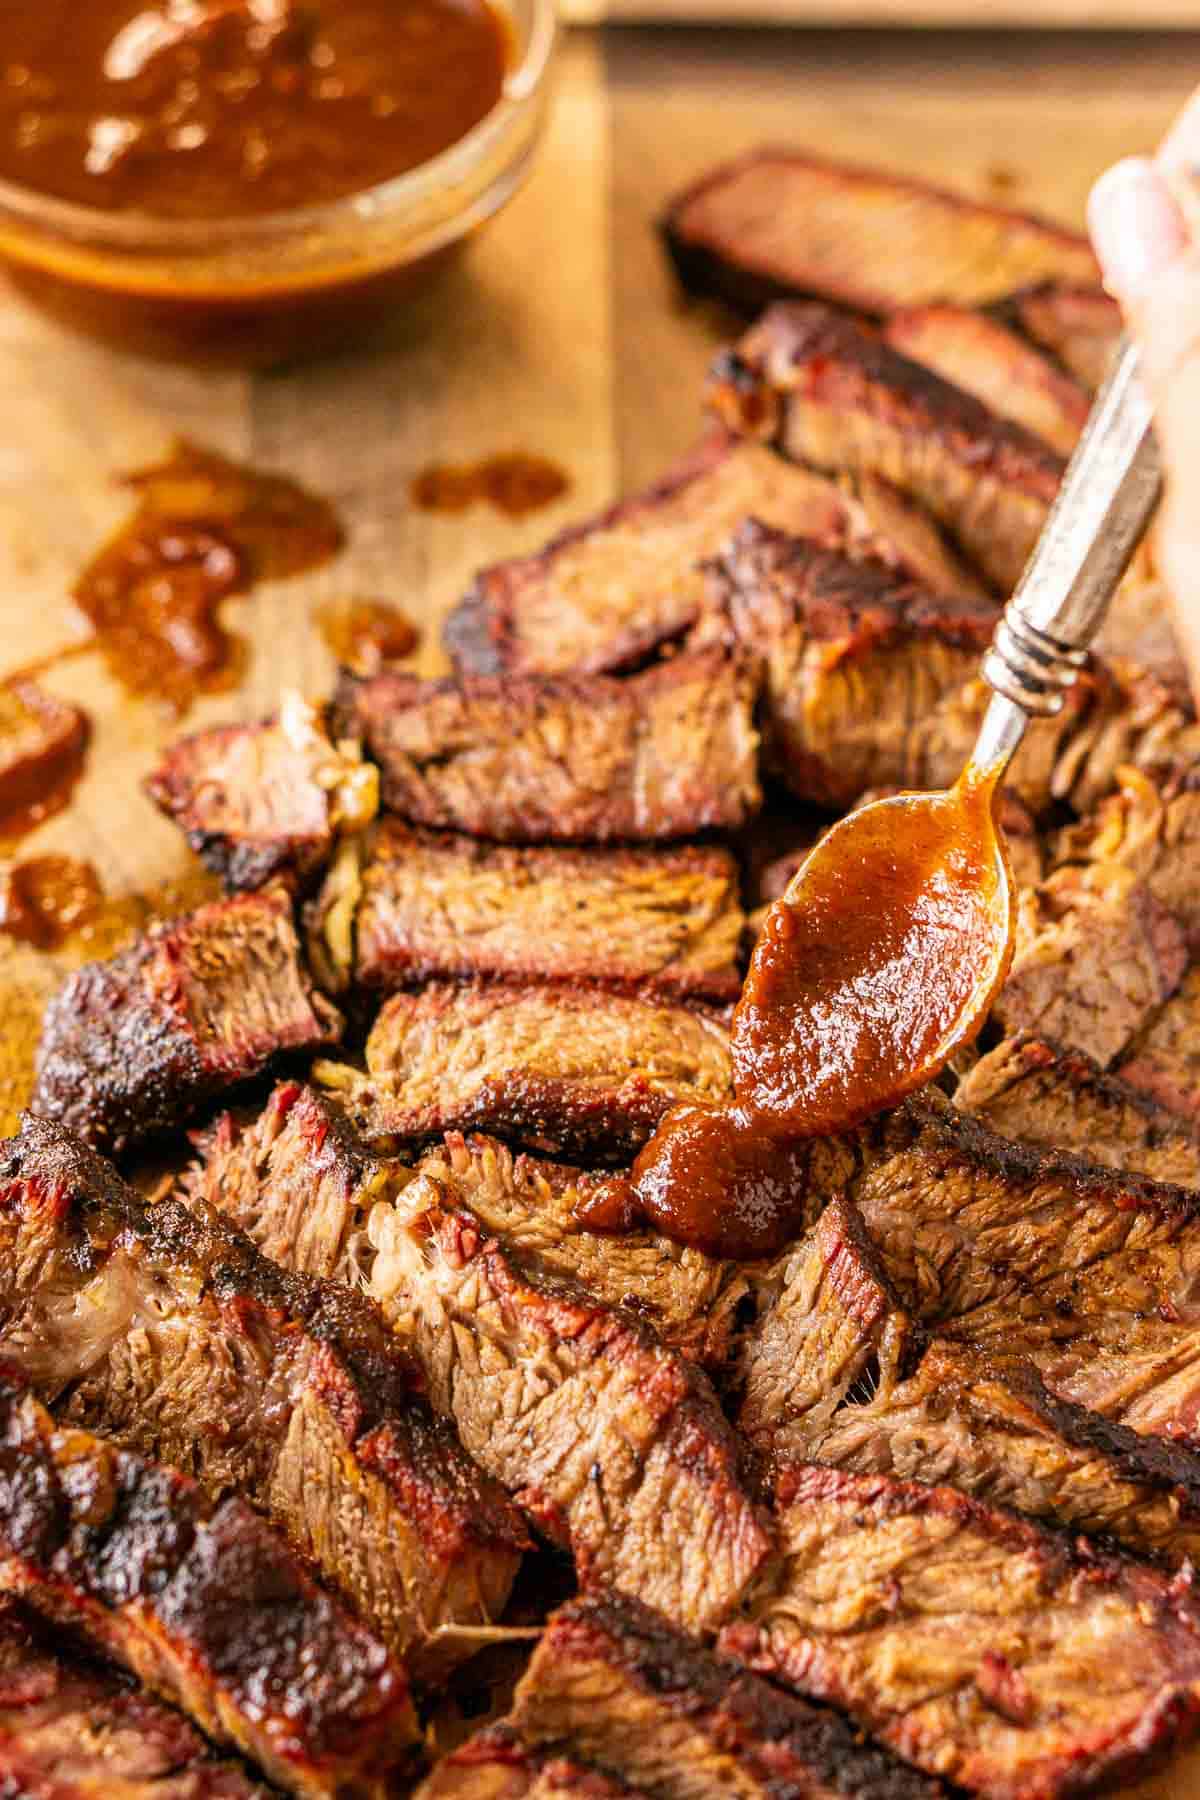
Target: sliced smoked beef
{"x":554,"y":759}
{"x":1079,"y":325}
{"x":555,"y":1068}
{"x":200,"y":1601}
{"x":427,"y":905}
{"x":828,"y":392}
{"x":136,"y":1045}
{"x":164,"y":1328}
{"x":611,"y":1681}
{"x":260,"y":802}
{"x":782,"y":221}
{"x":612,"y":591}
{"x":1006,"y":1658}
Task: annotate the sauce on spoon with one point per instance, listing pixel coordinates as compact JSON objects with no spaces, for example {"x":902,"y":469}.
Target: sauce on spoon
{"x":881,"y":959}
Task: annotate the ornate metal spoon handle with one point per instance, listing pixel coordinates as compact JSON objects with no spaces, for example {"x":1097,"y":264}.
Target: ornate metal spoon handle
{"x":1108,"y":495}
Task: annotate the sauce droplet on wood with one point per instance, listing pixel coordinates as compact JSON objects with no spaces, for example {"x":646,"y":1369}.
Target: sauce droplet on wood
{"x":48,"y":899}
{"x":205,"y":529}
{"x":514,"y":484}
{"x":43,"y":743}
{"x":365,"y":634}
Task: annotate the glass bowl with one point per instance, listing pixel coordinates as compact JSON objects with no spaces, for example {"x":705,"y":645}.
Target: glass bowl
{"x":261,"y":290}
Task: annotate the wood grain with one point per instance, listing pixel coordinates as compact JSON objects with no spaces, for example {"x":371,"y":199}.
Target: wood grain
{"x":982,"y":16}
{"x":560,"y":333}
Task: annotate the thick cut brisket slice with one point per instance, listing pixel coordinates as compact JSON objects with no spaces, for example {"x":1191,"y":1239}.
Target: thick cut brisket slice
{"x":301,"y":1185}
{"x":1089,"y":1272}
{"x":556,"y":759}
{"x":200,"y":1602}
{"x":691,"y":1300}
{"x":827,"y":391}
{"x":163,"y":1327}
{"x":614,"y":1444}
{"x":779,"y":221}
{"x":433,"y":904}
{"x":1096,"y":955}
{"x":868,"y":680}
{"x":555,"y":1068}
{"x":497,"y":1765}
{"x":989,"y":1426}
{"x":1079,"y":325}
{"x":135,"y":1046}
{"x":613,"y":1682}
{"x":70,"y":1729}
{"x":1047,"y":1095}
{"x":260,"y":801}
{"x":1006,"y":1658}
{"x":1163,"y":1062}
{"x":987,"y":359}
{"x":608,"y":593}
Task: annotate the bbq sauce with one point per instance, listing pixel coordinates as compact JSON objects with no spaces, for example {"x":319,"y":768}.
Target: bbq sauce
{"x":205,"y":529}
{"x":513,"y":484}
{"x":862,"y":974}
{"x":43,"y":743}
{"x":365,"y":634}
{"x":48,"y":899}
{"x":208,"y":109}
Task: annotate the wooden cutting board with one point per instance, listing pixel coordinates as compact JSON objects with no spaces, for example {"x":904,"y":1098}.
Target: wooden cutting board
{"x":560,"y":334}
{"x":976,"y":15}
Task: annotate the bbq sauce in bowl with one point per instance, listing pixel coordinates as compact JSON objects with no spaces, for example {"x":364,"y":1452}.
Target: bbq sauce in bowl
{"x":880,"y":960}
{"x":188,"y":176}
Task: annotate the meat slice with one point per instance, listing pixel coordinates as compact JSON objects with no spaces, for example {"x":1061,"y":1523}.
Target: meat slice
{"x":612,"y":1443}
{"x":42,"y":740}
{"x":136,"y":1045}
{"x":1091,"y":1272}
{"x":162,"y":1327}
{"x":556,"y":1068}
{"x":987,"y":359}
{"x":1164,"y":1061}
{"x":1151,"y":827}
{"x":829,"y":1320}
{"x":984,"y":1649}
{"x":829,"y":392}
{"x":72,"y":1730}
{"x":430,"y":905}
{"x":611,"y":591}
{"x":691,"y":1300}
{"x":199,"y":1601}
{"x":257,"y":802}
{"x":551,"y":759}
{"x":497,"y":1765}
{"x":989,"y":1426}
{"x":1080,"y":325}
{"x":784,"y":221}
{"x":1050,"y":1096}
{"x":610,"y":1680}
{"x":1096,"y":954}
{"x":868,"y":681}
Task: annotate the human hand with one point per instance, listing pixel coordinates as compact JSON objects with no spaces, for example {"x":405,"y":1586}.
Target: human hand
{"x":1145,"y":222}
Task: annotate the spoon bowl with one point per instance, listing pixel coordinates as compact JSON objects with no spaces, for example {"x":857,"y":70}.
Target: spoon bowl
{"x":881,"y":961}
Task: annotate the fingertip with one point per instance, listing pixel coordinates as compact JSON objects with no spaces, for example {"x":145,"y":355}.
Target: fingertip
{"x":1137,"y":229}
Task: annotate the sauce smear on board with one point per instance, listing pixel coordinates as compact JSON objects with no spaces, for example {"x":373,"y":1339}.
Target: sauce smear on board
{"x":365,"y":634}
{"x":207,"y":109}
{"x":865,"y":978}
{"x":47,"y":899}
{"x":514,"y":484}
{"x":204,"y":529}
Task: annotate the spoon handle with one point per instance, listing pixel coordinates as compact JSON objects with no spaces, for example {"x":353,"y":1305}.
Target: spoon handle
{"x":1104,"y":505}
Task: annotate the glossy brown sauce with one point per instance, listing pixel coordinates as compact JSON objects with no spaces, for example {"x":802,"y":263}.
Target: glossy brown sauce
{"x":47,"y":899}
{"x":210,"y":109}
{"x":204,"y":529}
{"x":43,"y":746}
{"x":515,"y":484}
{"x":865,"y":977}
{"x":365,"y":634}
